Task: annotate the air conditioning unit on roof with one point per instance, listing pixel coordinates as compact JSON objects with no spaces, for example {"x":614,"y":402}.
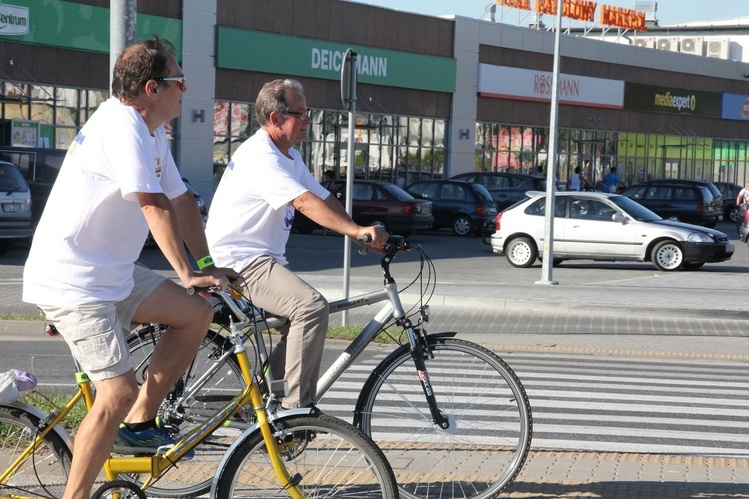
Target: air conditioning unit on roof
{"x":645,"y":41}
{"x":667,"y":43}
{"x":718,"y":48}
{"x":692,"y":45}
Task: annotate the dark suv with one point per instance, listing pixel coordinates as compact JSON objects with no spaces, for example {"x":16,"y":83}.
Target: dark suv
{"x":506,"y":188}
{"x":461,"y":206}
{"x":690,"y":201}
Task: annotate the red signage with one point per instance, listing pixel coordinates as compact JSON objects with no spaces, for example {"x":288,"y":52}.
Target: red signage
{"x":582,"y":10}
{"x":516,"y":4}
{"x":623,"y":18}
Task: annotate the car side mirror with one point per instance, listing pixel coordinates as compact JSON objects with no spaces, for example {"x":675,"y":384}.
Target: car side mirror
{"x":620,"y":218}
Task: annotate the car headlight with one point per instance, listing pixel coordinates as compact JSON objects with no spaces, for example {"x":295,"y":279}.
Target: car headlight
{"x":699,"y":237}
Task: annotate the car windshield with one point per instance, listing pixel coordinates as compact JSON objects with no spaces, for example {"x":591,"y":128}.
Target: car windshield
{"x":11,"y":179}
{"x":634,"y":209}
{"x":397,"y":192}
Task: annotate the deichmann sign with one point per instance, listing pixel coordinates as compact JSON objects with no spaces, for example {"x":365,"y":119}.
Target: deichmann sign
{"x":672,"y":100}
{"x":526,"y":84}
{"x":273,"y":53}
{"x":14,"y":20}
{"x":735,"y":107}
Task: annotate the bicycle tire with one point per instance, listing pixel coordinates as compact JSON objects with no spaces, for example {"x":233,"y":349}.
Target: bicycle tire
{"x":490,"y":421}
{"x":193,"y":477}
{"x":330,"y":457}
{"x":43,"y":474}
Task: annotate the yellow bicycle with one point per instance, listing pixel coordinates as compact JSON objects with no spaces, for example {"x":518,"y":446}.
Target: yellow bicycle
{"x":296,"y":453}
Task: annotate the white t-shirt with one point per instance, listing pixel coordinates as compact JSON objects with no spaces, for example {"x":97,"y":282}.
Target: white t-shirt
{"x":92,"y":229}
{"x":251,"y":212}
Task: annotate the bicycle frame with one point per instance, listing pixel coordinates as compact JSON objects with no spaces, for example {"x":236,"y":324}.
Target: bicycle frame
{"x":157,"y":464}
{"x":391,"y":310}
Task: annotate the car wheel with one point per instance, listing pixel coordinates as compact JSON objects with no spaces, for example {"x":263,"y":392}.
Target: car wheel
{"x":693,"y":265}
{"x":462,"y":226}
{"x":667,"y":255}
{"x":521,"y":252}
{"x":734,"y":214}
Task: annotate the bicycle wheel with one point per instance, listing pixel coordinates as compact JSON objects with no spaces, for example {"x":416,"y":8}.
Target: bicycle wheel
{"x":45,"y":472}
{"x":193,"y":477}
{"x":490,"y":421}
{"x":329,"y":457}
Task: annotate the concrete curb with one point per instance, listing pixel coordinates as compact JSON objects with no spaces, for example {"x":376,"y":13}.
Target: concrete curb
{"x":558,"y":306}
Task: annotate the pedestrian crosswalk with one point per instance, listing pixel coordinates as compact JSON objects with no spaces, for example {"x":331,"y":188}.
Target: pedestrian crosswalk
{"x":645,"y":404}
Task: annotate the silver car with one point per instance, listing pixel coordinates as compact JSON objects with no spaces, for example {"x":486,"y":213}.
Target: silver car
{"x":606,"y":227}
{"x":15,"y":203}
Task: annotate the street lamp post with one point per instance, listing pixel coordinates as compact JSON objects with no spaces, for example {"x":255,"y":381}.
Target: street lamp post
{"x":551,"y":165}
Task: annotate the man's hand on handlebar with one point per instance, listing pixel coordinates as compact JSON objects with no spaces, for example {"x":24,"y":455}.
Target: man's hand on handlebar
{"x":372,"y":237}
{"x":212,"y":276}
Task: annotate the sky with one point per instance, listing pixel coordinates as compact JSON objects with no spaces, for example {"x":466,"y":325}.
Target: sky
{"x":669,"y":11}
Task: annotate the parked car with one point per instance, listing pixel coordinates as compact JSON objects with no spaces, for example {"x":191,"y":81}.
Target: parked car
{"x":690,"y":201}
{"x":729,"y":191}
{"x":377,"y":203}
{"x":461,"y":206}
{"x":506,"y":189}
{"x":15,"y":198}
{"x":151,"y":242}
{"x":606,"y":227}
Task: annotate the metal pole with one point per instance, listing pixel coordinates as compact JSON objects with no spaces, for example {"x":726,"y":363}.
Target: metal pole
{"x":551,"y":164}
{"x":350,"y":100}
{"x":123,"y":18}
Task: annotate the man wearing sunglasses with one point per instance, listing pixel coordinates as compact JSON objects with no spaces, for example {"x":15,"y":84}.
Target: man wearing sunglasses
{"x":250,"y":221}
{"x":118,"y":181}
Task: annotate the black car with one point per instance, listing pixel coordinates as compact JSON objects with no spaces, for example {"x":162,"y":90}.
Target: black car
{"x":461,"y":206}
{"x":377,"y":203}
{"x":505,"y":188}
{"x":690,"y":201}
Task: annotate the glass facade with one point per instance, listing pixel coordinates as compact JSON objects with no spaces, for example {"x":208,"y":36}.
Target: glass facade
{"x":60,"y":111}
{"x":638,"y":157}
{"x":390,"y":148}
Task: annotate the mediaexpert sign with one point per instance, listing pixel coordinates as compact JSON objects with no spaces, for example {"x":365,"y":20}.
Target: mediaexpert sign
{"x":14,"y":20}
{"x":672,"y":100}
{"x":735,"y":107}
{"x":505,"y":82}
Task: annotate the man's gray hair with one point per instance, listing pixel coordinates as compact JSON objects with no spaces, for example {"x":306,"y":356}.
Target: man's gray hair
{"x":273,"y":97}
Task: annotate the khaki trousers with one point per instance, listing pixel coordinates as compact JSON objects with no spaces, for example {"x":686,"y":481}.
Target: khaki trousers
{"x":298,"y":354}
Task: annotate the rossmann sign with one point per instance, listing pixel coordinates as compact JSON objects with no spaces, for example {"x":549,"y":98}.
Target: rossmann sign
{"x":671,"y":100}
{"x":14,"y":20}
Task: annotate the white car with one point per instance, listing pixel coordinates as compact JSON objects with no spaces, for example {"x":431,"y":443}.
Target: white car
{"x":608,"y":227}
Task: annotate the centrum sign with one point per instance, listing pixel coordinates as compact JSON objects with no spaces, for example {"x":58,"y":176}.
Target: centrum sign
{"x":14,"y":20}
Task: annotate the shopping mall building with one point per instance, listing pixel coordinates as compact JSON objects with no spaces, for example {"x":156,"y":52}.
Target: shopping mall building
{"x":436,"y":96}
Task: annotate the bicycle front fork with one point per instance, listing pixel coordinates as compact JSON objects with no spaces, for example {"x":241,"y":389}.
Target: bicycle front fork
{"x":420,"y":351}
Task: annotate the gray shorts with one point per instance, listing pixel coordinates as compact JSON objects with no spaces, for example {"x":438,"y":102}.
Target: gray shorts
{"x":96,"y":332}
